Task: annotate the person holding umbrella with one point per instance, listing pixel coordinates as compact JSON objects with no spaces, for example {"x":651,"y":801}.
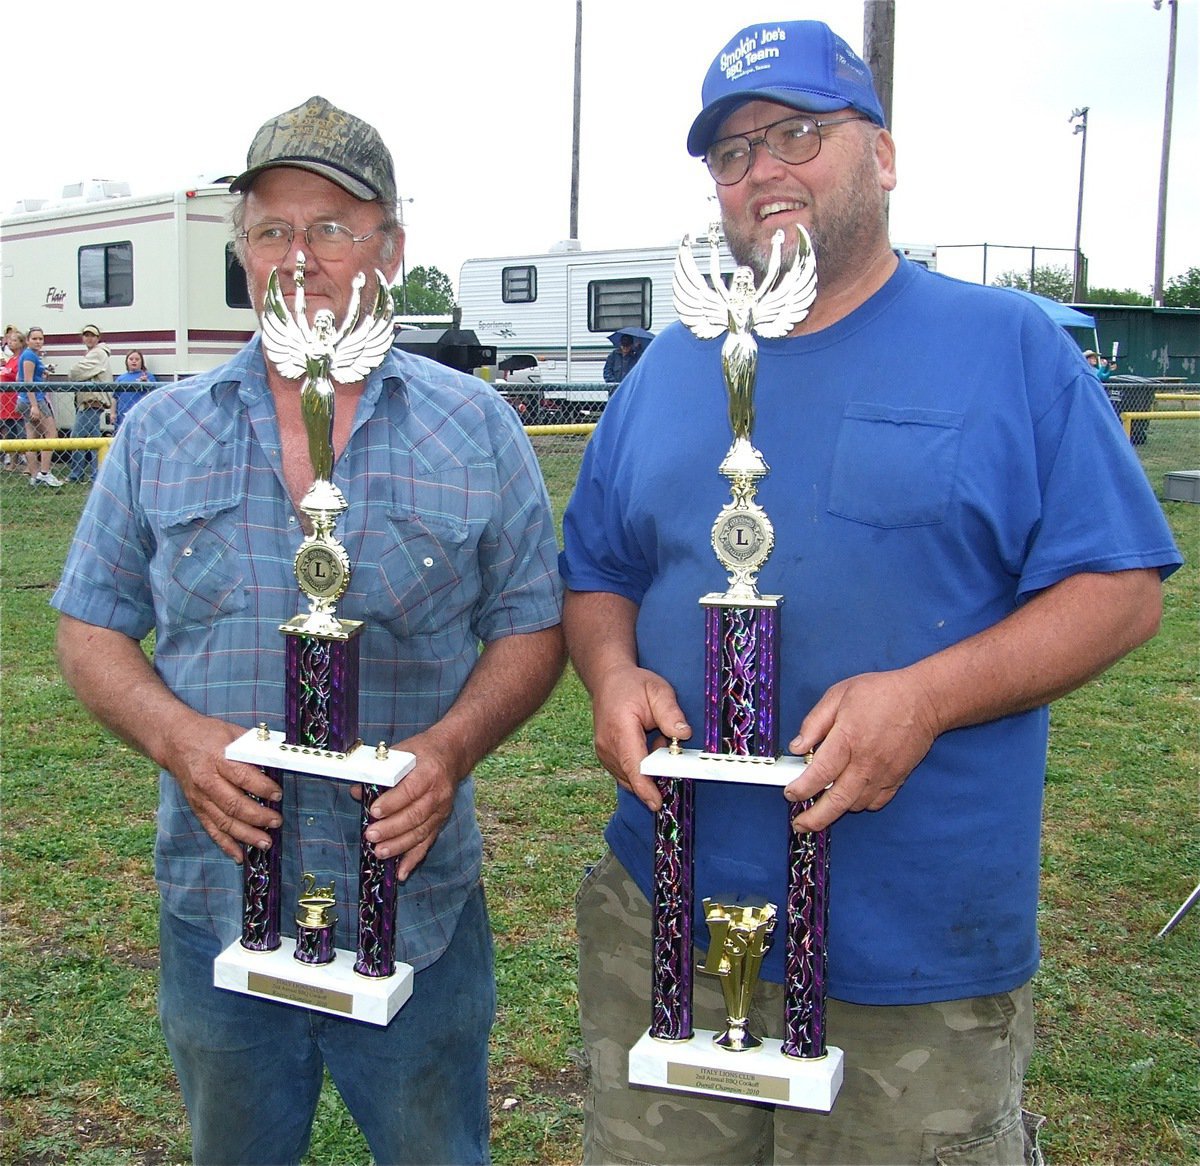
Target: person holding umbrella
{"x":627,"y":347}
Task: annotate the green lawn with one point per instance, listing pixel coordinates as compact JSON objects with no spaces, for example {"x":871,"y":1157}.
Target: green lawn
{"x":86,"y":1078}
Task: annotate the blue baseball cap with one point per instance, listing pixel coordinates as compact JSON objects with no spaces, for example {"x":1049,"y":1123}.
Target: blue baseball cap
{"x":801,"y":63}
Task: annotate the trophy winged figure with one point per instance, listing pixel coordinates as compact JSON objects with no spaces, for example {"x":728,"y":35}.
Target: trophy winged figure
{"x":323,"y":353}
{"x":770,"y":310}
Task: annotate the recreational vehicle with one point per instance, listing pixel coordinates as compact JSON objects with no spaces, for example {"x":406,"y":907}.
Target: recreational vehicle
{"x":563,"y":305}
{"x":155,"y":273}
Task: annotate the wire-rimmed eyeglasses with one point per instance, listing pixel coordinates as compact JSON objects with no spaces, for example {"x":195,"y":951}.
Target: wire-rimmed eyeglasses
{"x":792,"y":140}
{"x":328,"y":241}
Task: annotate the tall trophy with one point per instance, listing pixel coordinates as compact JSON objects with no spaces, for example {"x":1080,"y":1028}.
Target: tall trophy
{"x":320,"y":737}
{"x":740,"y":744}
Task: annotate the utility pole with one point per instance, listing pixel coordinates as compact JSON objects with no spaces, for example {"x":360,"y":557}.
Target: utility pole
{"x":1160,"y":242}
{"x":879,"y":43}
{"x":879,"y":49}
{"x":575,"y":133}
{"x":1079,"y":115}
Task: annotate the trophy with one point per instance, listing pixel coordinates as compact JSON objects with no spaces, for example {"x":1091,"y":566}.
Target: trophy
{"x":320,"y":736}
{"x":740,"y":744}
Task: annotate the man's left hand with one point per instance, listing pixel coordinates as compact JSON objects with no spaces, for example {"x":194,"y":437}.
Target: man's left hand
{"x":408,"y":817}
{"x":873,"y":730}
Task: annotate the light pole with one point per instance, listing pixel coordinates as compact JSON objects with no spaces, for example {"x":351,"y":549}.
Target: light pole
{"x":1079,"y":116}
{"x":1160,"y":242}
{"x":403,"y":266}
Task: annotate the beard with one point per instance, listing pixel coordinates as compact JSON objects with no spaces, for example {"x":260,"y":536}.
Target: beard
{"x":844,"y":231}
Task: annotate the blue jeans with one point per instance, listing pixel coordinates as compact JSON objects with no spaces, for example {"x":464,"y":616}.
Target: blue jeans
{"x":86,"y":424}
{"x":251,"y":1070}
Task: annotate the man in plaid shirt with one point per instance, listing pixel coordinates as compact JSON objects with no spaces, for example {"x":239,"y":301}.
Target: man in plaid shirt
{"x":191,"y":532}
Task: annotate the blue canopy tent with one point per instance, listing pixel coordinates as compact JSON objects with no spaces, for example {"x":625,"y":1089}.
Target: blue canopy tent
{"x":1063,"y":314}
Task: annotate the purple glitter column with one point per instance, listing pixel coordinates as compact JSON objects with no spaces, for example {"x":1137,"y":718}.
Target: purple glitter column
{"x":261,"y":882}
{"x":741,"y":680}
{"x":376,"y":903}
{"x":322,"y":691}
{"x":804,"y":955}
{"x":671,"y":969}
{"x":314,"y":945}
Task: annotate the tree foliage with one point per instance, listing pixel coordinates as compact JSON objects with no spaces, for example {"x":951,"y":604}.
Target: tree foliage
{"x":1110,"y":295}
{"x":426,"y":292}
{"x":1183,"y":291}
{"x":1055,"y":283}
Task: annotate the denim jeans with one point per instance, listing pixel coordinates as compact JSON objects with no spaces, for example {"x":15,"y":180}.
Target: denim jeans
{"x":251,"y":1070}
{"x":86,"y":424}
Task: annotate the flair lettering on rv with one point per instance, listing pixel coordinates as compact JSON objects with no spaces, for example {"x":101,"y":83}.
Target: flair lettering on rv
{"x":54,"y":298}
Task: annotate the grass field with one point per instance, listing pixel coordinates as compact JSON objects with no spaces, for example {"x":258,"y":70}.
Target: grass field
{"x":86,"y":1079}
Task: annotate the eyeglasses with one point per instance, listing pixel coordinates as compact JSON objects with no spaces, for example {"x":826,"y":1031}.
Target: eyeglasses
{"x":328,"y":241}
{"x":793,"y":140}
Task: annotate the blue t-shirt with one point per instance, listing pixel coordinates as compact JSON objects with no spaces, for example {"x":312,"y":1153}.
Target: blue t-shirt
{"x":39,"y":374}
{"x":937,"y":457}
{"x":125,"y":399}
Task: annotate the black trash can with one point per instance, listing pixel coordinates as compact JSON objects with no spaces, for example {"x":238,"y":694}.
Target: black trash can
{"x":1132,"y":394}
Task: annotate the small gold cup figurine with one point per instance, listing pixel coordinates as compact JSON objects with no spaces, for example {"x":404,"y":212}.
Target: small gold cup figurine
{"x":315,"y":920}
{"x":740,"y":937}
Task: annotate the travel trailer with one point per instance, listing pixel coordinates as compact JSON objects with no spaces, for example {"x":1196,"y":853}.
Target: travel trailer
{"x":562,"y":306}
{"x":155,"y":273}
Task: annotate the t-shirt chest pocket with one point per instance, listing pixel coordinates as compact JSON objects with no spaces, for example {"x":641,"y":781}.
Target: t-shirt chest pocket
{"x":894,"y":466}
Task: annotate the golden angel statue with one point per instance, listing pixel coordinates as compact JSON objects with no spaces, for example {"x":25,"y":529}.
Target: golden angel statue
{"x":323,"y":353}
{"x":770,"y":310}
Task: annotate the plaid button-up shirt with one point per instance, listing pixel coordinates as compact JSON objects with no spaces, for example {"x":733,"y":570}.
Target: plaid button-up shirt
{"x":190,"y":532}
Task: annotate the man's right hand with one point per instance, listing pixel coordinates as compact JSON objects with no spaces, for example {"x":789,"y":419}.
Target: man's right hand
{"x":219,"y":790}
{"x":627,"y":703}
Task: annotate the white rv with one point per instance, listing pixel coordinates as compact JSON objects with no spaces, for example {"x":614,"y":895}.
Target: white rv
{"x":561,"y":306}
{"x":155,"y":273}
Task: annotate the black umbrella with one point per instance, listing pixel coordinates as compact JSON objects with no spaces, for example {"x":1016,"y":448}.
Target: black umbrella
{"x":632,"y":333}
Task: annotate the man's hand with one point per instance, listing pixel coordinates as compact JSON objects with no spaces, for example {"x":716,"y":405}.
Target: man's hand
{"x":627,"y":703}
{"x":872,"y":731}
{"x":219,"y":790}
{"x":409,"y":816}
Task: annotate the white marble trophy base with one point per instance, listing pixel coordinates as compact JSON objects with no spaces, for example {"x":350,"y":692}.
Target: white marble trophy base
{"x":335,"y":988}
{"x":762,"y":1074}
{"x":362,"y":764}
{"x":701,"y":766}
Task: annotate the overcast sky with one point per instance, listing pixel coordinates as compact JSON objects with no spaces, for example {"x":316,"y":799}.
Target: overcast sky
{"x":474,"y":98}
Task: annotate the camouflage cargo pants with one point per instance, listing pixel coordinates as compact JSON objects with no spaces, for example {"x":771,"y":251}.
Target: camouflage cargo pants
{"x":936,"y":1084}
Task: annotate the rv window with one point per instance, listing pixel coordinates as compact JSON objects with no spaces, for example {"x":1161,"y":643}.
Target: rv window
{"x":618,"y":303}
{"x":237,"y":293}
{"x":518,"y":285}
{"x":106,"y":275}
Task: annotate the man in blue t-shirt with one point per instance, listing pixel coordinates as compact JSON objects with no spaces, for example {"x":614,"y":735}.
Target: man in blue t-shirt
{"x":962,"y":536}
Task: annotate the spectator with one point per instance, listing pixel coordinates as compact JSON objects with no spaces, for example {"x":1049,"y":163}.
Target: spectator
{"x":34,"y":405}
{"x":621,"y":360}
{"x":135,"y":373}
{"x":90,"y":404}
{"x":12,"y":427}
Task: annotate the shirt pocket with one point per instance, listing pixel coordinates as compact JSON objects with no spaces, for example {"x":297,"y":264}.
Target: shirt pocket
{"x":423,"y":581}
{"x":894,"y":466}
{"x":198,"y":572}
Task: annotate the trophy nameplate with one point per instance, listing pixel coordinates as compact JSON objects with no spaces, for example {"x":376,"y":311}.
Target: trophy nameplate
{"x":320,"y":738}
{"x":740,"y":744}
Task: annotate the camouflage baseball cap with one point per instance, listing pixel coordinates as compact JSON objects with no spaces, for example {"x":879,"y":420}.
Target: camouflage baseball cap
{"x":325,"y":140}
